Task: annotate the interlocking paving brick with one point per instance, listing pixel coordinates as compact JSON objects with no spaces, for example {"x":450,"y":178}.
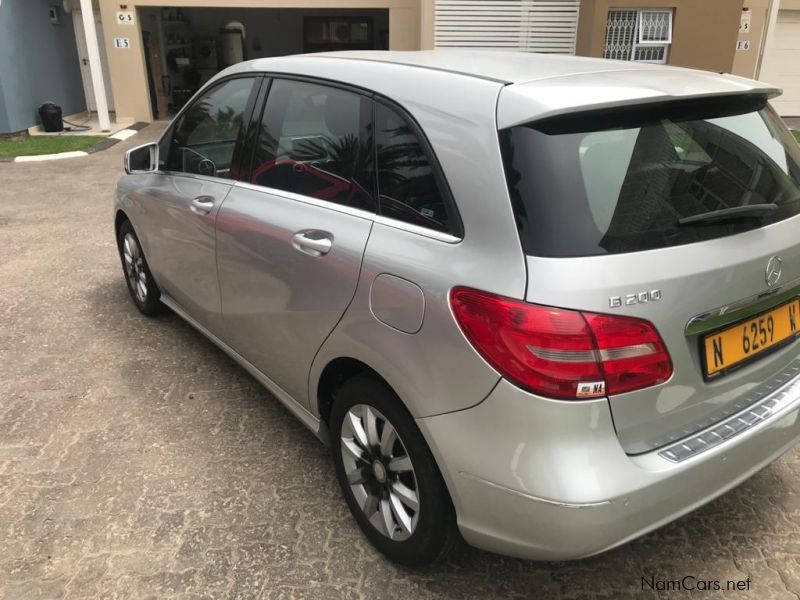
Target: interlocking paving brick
{"x":138,"y":461}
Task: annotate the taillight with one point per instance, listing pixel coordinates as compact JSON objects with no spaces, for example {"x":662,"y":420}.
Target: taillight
{"x":561,"y":353}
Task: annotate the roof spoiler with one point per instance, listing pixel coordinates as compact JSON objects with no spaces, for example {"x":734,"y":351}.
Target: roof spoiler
{"x":641,"y":90}
{"x":641,"y":114}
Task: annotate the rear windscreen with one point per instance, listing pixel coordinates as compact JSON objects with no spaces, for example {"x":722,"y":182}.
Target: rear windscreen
{"x":620,"y":181}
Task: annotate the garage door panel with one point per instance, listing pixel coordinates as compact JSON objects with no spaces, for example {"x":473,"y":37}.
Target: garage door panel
{"x":786,"y":38}
{"x":783,"y":66}
{"x":782,"y":63}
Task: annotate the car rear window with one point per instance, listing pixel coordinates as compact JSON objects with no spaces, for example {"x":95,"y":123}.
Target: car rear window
{"x":616,"y":181}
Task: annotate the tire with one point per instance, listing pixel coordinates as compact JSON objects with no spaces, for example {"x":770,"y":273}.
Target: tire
{"x":417,"y":537}
{"x":141,"y":285}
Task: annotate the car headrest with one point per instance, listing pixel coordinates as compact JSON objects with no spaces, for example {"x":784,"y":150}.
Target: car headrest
{"x":342,"y":113}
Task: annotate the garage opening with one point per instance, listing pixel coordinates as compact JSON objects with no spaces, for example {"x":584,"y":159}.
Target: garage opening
{"x":185,"y":47}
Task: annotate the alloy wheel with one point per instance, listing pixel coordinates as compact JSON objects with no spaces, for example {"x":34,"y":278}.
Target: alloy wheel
{"x":380,"y":472}
{"x":134,"y":267}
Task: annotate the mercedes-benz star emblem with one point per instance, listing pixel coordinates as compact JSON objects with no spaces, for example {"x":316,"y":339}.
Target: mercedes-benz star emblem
{"x":774,"y":266}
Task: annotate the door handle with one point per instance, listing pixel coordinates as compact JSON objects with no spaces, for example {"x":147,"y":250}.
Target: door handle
{"x":313,"y":242}
{"x":202,"y":205}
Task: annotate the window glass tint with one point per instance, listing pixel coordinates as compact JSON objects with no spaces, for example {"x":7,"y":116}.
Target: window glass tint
{"x":204,"y":138}
{"x":611,"y":183}
{"x":317,"y":141}
{"x":406,"y":181}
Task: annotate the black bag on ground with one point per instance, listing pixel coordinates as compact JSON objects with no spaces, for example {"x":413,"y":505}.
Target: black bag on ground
{"x":52,"y":119}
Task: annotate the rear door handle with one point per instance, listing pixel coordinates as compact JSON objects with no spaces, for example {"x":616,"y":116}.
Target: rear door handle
{"x":202,"y":205}
{"x":313,"y":242}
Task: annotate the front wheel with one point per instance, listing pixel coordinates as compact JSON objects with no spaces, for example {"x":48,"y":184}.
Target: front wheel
{"x":141,"y":285}
{"x":388,"y":475}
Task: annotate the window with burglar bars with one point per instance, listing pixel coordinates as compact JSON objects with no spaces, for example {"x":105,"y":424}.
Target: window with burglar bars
{"x":640,"y":35}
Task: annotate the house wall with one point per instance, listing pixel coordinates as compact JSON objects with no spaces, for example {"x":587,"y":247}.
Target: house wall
{"x":4,"y":126}
{"x":746,"y":62}
{"x":704,"y":31}
{"x":127,"y":66}
{"x":38,"y":63}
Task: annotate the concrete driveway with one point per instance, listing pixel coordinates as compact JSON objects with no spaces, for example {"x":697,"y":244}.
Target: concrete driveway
{"x":137,"y":460}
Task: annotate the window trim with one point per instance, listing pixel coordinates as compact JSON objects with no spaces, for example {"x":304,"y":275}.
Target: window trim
{"x":640,"y":18}
{"x":238,"y":150}
{"x":251,"y":137}
{"x":454,"y":232}
{"x":435,"y":234}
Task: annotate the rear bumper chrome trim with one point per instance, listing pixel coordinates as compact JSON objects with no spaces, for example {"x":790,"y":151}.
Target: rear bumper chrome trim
{"x":778,"y":395}
{"x":742,"y":309}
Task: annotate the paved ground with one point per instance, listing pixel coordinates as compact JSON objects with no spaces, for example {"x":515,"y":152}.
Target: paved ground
{"x":136,"y":460}
{"x":793,"y":122}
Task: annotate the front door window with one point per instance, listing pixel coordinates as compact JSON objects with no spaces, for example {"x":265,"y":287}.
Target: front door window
{"x":204,"y":138}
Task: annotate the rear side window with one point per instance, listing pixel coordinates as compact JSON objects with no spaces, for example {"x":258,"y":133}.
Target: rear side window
{"x":406,"y":180}
{"x":316,"y":140}
{"x":616,"y":182}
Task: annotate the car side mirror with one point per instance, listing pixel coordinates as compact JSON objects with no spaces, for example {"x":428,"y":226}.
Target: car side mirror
{"x":142,"y":159}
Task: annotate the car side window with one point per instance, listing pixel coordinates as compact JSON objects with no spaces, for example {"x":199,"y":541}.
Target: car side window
{"x":316,"y":140}
{"x":204,"y":138}
{"x":406,"y":180}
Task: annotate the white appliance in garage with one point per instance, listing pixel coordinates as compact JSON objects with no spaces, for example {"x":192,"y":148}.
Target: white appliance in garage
{"x":231,"y":47}
{"x":781,"y":64}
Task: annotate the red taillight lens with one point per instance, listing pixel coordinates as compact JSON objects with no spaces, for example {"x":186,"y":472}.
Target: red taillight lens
{"x":561,"y":353}
{"x":631,"y":352}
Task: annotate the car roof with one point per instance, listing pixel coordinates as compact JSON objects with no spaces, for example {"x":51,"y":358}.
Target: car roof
{"x":501,"y":66}
{"x":531,"y":86}
{"x":493,"y":65}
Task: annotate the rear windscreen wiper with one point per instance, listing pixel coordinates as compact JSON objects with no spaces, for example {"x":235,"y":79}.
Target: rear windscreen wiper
{"x":734,"y":212}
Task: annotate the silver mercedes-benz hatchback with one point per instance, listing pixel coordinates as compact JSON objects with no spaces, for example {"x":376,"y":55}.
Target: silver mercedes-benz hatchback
{"x":548,"y":303}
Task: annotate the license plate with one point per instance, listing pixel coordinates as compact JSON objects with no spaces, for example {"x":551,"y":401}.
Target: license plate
{"x":744,"y":341}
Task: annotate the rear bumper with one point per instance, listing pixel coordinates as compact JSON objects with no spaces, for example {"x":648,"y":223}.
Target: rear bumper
{"x":548,"y":480}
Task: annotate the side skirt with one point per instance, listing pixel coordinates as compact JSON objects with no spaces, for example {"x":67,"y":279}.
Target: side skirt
{"x":316,"y":425}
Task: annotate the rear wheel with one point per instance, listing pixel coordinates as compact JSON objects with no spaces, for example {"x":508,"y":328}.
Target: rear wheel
{"x":141,"y":285}
{"x":388,"y":475}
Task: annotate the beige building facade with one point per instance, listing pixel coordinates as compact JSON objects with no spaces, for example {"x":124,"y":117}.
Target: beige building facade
{"x":143,"y":55}
{"x":703,"y":33}
{"x":127,"y":65}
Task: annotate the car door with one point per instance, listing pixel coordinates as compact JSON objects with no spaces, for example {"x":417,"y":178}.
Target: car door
{"x":198,"y":158}
{"x":291,"y":236}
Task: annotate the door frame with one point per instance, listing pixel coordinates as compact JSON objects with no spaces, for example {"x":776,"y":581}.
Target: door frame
{"x":83,"y":61}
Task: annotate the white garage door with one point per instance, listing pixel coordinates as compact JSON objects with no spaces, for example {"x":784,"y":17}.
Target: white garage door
{"x":781,"y":66}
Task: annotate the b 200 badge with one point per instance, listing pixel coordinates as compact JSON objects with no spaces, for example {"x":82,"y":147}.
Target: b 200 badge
{"x":637,"y":298}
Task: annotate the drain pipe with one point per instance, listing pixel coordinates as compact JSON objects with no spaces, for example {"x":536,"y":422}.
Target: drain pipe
{"x":93,"y":50}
